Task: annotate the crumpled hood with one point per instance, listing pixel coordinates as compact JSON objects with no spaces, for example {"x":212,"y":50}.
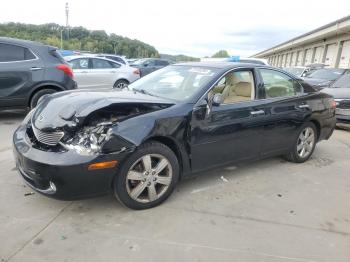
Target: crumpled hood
{"x":71,"y":107}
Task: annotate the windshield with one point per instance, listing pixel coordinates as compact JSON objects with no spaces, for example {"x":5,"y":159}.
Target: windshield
{"x":295,"y":70}
{"x":138,"y":62}
{"x":343,"y":82}
{"x":177,"y":83}
{"x":327,"y":74}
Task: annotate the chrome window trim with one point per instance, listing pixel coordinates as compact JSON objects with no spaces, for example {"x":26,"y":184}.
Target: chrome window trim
{"x":256,"y":88}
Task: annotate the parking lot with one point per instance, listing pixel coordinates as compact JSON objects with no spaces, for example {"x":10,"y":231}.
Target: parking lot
{"x":270,"y":210}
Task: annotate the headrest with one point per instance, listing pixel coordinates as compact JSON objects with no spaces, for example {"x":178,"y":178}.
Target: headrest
{"x":243,"y":89}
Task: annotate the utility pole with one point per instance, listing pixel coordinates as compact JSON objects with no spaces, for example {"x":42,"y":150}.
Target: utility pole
{"x":67,"y":20}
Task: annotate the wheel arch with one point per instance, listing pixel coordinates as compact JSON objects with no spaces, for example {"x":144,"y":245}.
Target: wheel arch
{"x":41,"y":87}
{"x":318,"y":127}
{"x":174,"y":146}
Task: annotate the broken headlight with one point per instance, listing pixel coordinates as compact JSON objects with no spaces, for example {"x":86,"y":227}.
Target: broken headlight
{"x":89,"y":140}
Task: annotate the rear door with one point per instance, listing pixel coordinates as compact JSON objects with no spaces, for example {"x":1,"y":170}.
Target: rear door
{"x":104,"y":73}
{"x":286,"y":108}
{"x":20,"y":69}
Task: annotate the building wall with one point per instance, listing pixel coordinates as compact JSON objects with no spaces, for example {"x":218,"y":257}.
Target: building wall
{"x":334,"y":52}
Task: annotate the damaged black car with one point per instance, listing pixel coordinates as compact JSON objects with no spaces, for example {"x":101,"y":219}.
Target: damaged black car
{"x":183,"y":119}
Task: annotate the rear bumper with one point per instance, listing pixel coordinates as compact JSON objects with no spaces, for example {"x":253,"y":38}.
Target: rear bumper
{"x":328,"y":126}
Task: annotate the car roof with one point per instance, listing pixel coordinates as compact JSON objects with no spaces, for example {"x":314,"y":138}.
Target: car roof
{"x":221,"y":65}
{"x":69,"y":58}
{"x":19,"y":41}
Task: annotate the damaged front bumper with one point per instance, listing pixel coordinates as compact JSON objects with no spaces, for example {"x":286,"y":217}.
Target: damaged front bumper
{"x":64,"y":174}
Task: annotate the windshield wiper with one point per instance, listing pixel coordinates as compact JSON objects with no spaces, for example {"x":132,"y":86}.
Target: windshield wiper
{"x":143,"y":91}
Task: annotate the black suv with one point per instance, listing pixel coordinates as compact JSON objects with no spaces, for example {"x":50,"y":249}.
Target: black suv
{"x":29,"y":70}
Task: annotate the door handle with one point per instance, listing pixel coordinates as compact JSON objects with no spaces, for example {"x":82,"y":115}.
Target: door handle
{"x":256,"y":113}
{"x":83,"y":71}
{"x":34,"y":68}
{"x":304,"y":106}
{"x":113,"y":72}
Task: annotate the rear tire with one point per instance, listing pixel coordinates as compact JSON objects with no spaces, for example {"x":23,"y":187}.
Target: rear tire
{"x":147,"y":177}
{"x":37,"y":95}
{"x":304,"y":144}
{"x":121,"y":84}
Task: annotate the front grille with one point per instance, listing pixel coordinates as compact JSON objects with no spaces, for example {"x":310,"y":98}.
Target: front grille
{"x":48,"y":138}
{"x":344,"y":104}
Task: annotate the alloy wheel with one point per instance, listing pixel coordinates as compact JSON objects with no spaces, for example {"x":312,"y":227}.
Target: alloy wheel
{"x":121,"y":85}
{"x":149,"y":178}
{"x":306,"y":142}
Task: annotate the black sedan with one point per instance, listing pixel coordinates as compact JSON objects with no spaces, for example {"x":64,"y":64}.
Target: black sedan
{"x":322,"y":78}
{"x":340,"y":90}
{"x":182,"y":119}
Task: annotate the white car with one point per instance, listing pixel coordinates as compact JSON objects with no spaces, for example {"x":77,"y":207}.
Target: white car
{"x":99,"y":72}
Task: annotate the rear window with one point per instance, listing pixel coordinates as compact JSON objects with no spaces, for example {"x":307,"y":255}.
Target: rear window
{"x":13,"y":53}
{"x":56,"y":54}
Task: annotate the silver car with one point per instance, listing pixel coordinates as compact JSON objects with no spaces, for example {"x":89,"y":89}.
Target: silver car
{"x":99,"y":72}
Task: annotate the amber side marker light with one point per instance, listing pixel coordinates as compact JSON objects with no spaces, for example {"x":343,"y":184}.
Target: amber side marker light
{"x":103,"y":165}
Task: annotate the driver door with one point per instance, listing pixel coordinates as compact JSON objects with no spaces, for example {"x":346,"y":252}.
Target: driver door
{"x":230,"y":131}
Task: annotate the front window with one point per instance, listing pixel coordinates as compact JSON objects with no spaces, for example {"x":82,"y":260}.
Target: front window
{"x":177,"y":83}
{"x":235,"y":86}
{"x":327,"y":74}
{"x":81,"y":63}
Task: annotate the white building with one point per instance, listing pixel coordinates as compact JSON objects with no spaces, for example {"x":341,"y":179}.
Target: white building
{"x":329,"y":44}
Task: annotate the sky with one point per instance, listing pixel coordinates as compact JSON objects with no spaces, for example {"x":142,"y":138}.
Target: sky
{"x":196,"y":28}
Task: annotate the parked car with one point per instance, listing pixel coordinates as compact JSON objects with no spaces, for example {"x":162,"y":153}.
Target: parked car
{"x":148,"y":65}
{"x":132,"y":60}
{"x":304,"y":71}
{"x":324,"y":77}
{"x":116,"y":58}
{"x":100,"y":72}
{"x":30,"y":70}
{"x":181,"y":119}
{"x":340,"y":90}
{"x":296,"y":70}
{"x":251,"y":60}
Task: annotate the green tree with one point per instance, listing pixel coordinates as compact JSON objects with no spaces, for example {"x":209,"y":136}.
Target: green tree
{"x":79,"y":38}
{"x":221,"y":54}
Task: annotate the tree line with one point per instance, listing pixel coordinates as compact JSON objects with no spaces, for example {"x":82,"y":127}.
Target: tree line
{"x":79,"y":38}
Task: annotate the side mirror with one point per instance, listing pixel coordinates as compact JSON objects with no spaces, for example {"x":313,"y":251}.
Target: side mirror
{"x":217,"y":99}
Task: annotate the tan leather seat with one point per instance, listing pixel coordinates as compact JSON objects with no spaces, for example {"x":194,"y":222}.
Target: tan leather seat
{"x":276,"y":91}
{"x":242,"y":91}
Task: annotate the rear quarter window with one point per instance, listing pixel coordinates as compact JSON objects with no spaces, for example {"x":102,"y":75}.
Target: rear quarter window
{"x":14,"y":53}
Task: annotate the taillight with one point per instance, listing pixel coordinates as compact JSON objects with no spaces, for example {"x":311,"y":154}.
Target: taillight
{"x":66,"y":69}
{"x":136,"y":72}
{"x":333,"y":104}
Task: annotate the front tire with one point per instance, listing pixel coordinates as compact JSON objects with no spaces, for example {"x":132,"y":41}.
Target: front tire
{"x":147,"y":177}
{"x":304,"y":144}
